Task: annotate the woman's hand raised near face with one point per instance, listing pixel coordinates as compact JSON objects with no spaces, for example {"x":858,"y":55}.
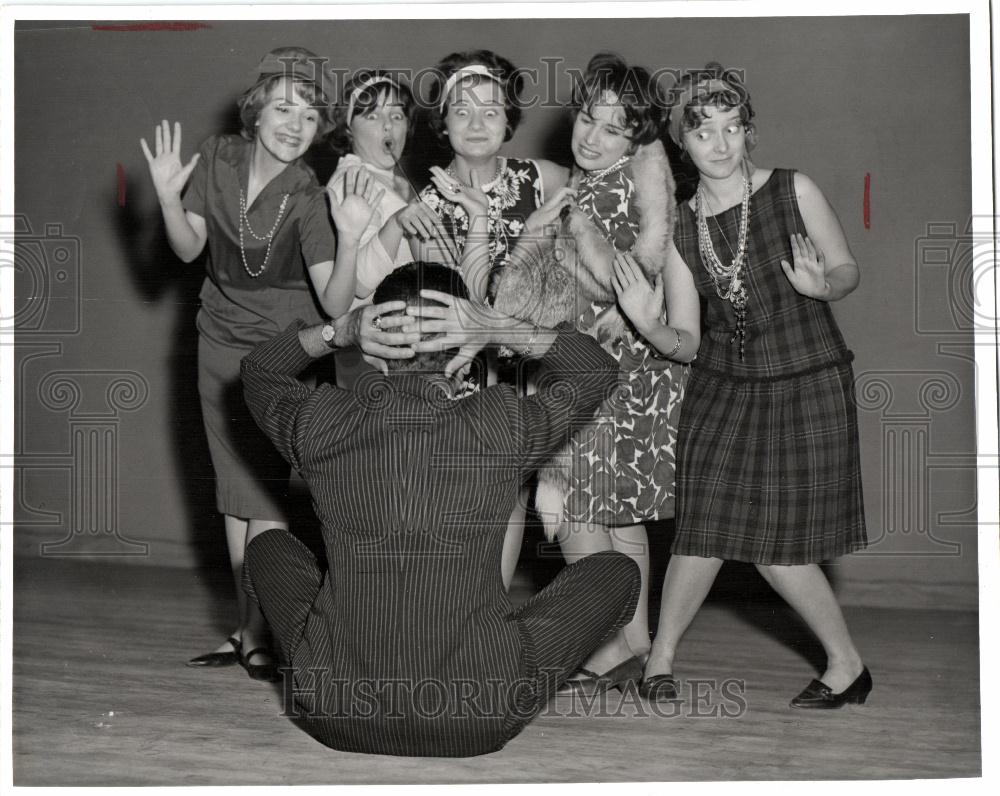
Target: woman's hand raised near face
{"x":361,"y":197}
{"x":165,"y":167}
{"x":470,"y":197}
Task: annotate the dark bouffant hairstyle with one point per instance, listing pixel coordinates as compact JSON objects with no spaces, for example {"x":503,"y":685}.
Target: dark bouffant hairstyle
{"x":252,"y":101}
{"x":367,"y":101}
{"x":405,"y":284}
{"x":510,"y":80}
{"x":734,"y":95}
{"x":639,"y":94}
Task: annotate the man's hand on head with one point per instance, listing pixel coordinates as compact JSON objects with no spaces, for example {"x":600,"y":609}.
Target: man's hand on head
{"x":381,"y":331}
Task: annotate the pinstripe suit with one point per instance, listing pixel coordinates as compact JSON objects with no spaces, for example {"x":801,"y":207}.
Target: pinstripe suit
{"x":406,"y":643}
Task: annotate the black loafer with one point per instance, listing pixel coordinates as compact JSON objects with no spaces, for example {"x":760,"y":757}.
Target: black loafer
{"x":818,"y":694}
{"x":629,"y":670}
{"x":659,"y":688}
{"x":219,"y":658}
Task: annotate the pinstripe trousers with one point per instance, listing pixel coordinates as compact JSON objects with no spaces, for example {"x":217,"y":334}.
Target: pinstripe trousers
{"x":555,"y":631}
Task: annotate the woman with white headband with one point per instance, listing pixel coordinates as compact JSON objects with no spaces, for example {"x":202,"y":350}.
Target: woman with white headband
{"x":476,"y":111}
{"x":371,"y":127}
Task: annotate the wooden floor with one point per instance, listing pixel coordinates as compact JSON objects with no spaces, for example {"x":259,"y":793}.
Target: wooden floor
{"x":101,"y":697}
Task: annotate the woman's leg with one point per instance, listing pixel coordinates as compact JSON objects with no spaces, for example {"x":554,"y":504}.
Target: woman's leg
{"x":512,"y":539}
{"x":806,"y":589}
{"x":685,"y":587}
{"x":577,"y":541}
{"x":254,"y":628}
{"x":633,"y":541}
{"x":236,"y":534}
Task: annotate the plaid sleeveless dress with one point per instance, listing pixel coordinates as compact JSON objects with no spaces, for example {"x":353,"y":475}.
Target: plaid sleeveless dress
{"x":768,"y":465}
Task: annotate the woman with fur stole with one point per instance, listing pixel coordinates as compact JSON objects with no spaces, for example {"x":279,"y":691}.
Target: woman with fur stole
{"x":614,"y":271}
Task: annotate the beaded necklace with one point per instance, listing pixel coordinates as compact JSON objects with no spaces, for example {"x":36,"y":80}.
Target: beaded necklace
{"x":269,"y":237}
{"x":592,"y":177}
{"x":728,"y":279}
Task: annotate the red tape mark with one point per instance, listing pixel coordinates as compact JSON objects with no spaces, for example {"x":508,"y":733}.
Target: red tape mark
{"x":868,"y":200}
{"x":156,"y":26}
{"x":120,"y":171}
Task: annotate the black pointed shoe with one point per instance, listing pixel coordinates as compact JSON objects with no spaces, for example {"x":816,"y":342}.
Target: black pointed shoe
{"x":818,"y":694}
{"x":219,"y":658}
{"x":629,"y":670}
{"x":659,"y":688}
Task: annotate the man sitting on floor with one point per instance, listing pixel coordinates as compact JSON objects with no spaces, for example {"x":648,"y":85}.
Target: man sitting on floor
{"x":405,"y":642}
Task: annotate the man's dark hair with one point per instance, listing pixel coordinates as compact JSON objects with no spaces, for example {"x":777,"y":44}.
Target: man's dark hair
{"x":405,"y":284}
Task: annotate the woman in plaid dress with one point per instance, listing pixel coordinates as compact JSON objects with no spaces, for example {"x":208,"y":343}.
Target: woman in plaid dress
{"x":767,"y":464}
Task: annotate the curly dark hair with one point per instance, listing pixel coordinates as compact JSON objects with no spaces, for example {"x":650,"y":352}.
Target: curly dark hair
{"x":367,"y":100}
{"x":733,"y":95}
{"x":638,"y":93}
{"x":509,"y":77}
{"x":405,"y":284}
{"x":253,"y":100}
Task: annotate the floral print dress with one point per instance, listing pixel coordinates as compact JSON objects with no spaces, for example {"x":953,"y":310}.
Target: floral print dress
{"x":622,"y":465}
{"x":514,"y":194}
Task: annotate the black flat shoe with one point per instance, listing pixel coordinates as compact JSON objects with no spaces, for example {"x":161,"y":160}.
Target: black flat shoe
{"x":629,"y":670}
{"x":659,"y":688}
{"x":219,"y":658}
{"x":268,"y":672}
{"x":818,"y":694}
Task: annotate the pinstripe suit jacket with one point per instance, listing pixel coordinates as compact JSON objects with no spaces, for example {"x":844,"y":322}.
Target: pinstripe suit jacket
{"x":414,"y":491}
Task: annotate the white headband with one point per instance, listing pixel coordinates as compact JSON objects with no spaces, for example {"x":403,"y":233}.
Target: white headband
{"x":374,"y":80}
{"x":461,"y":74}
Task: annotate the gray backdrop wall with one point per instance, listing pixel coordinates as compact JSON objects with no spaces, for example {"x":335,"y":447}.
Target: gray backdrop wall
{"x":111,"y":454}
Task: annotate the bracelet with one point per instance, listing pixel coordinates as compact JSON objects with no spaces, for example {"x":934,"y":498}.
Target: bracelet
{"x":669,"y":355}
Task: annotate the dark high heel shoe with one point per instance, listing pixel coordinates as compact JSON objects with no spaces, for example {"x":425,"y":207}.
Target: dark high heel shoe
{"x":268,"y":672}
{"x":659,"y":688}
{"x":219,"y":658}
{"x":629,"y":670}
{"x":818,"y":694}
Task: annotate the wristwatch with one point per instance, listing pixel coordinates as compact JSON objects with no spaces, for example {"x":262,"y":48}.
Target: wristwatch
{"x":328,"y":333}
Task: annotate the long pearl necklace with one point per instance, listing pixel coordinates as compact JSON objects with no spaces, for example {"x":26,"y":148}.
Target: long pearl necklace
{"x":269,"y":237}
{"x":728,"y":279}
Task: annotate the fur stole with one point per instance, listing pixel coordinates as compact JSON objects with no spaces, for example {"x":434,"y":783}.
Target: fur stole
{"x":554,"y":279}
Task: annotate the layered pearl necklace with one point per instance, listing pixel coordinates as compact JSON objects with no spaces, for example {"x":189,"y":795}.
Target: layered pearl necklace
{"x":269,"y":237}
{"x":728,"y":279}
